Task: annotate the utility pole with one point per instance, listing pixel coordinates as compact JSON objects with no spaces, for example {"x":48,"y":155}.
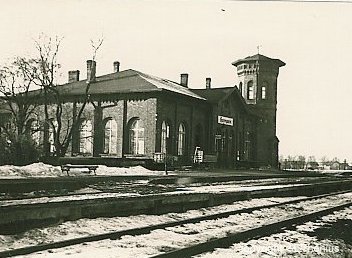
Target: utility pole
{"x":165,"y":161}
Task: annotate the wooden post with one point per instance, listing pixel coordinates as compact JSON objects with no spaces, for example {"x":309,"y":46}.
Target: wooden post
{"x":124,"y":128}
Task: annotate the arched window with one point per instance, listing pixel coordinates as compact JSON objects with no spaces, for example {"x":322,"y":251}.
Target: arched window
{"x":165,"y":133}
{"x":264,"y":89}
{"x":181,"y":144}
{"x":33,"y":128}
{"x":110,"y":136}
{"x":51,"y":140}
{"x":86,"y":137}
{"x":250,"y":90}
{"x":136,"y":137}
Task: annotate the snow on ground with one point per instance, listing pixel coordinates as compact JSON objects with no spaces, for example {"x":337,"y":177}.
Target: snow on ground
{"x":137,"y":170}
{"x":66,"y":198}
{"x":44,"y":170}
{"x":186,"y":190}
{"x":322,"y":171}
{"x":180,"y":236}
{"x":86,"y":227}
{"x":32,"y":170}
{"x":292,"y":243}
{"x":223,"y":188}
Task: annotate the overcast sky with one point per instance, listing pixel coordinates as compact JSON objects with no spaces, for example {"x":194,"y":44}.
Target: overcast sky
{"x":202,"y":38}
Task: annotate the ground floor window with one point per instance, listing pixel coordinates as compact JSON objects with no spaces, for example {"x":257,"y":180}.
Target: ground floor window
{"x":136,"y":134}
{"x":165,"y":133}
{"x":34,"y":131}
{"x":86,"y":137}
{"x":181,"y":144}
{"x":110,"y":136}
{"x":51,"y":138}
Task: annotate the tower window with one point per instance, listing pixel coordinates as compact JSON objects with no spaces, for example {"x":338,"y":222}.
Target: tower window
{"x":241,"y":87}
{"x":263,"y":92}
{"x":250,"y":90}
{"x":264,"y":87}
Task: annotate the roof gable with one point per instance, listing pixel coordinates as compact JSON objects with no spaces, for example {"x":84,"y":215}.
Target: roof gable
{"x":217,"y":95}
{"x":214,"y":95}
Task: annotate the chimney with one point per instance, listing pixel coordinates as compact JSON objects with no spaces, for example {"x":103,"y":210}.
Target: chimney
{"x":184,"y":79}
{"x":208,"y":83}
{"x":116,"y":66}
{"x":91,"y":69}
{"x":73,"y":76}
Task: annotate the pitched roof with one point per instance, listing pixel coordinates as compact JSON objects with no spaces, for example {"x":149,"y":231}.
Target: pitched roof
{"x":214,"y":95}
{"x":128,"y":81}
{"x":258,"y":57}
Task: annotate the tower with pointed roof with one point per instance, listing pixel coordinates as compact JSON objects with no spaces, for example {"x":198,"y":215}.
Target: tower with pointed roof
{"x":258,"y":85}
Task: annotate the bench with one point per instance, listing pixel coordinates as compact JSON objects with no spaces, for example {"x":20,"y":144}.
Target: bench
{"x":91,"y":168}
{"x":207,"y":161}
{"x":210,"y":158}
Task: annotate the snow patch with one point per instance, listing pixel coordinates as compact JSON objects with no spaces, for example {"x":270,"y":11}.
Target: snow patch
{"x":45,"y":170}
{"x":33,"y":170}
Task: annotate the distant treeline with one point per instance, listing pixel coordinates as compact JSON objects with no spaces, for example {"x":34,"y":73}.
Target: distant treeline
{"x":310,"y":162}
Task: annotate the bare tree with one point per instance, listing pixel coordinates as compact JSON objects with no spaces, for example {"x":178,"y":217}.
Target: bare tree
{"x":301,"y":162}
{"x":311,"y":159}
{"x":15,"y":87}
{"x":61,"y":120}
{"x":25,"y":74}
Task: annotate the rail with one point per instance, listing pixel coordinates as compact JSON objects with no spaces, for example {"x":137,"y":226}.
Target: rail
{"x":195,"y":249}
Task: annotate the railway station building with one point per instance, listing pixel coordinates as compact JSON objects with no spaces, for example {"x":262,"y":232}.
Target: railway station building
{"x":133,"y":116}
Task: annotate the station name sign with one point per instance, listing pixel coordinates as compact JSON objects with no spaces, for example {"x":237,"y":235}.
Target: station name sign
{"x":225,"y":120}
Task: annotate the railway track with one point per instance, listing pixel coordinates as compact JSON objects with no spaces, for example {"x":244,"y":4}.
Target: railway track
{"x":21,"y":215}
{"x":209,"y":244}
{"x":265,"y":230}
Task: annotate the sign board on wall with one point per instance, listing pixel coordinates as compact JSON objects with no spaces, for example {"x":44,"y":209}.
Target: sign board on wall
{"x":225,"y":120}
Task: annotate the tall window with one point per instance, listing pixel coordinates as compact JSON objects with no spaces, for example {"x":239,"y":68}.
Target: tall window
{"x":264,"y":86}
{"x":181,"y":144}
{"x":86,"y":137}
{"x":165,"y":133}
{"x":241,"y":87}
{"x":137,"y":137}
{"x":51,"y":140}
{"x":34,"y":130}
{"x":250,"y":90}
{"x":110,"y":137}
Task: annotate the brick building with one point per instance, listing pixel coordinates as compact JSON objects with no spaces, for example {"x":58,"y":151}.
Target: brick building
{"x":136,"y":116}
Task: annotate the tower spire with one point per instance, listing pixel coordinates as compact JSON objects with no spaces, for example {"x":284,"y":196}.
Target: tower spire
{"x":258,"y":48}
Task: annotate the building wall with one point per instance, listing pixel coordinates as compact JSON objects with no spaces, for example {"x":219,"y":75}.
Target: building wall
{"x":145,"y":110}
{"x":142,"y":109}
{"x":236,"y":143}
{"x":267,"y":148}
{"x":262,"y":73}
{"x":195,"y":116}
{"x":116,"y":113}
